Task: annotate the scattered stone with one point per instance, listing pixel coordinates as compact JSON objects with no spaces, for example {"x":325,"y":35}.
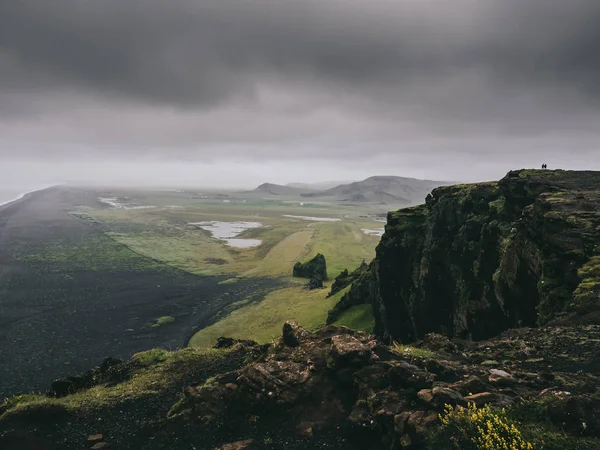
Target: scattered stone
{"x":409,"y":375}
{"x":501,"y":378}
{"x":483,"y":398}
{"x":99,"y":446}
{"x":472,"y":385}
{"x":239,"y":445}
{"x":95,"y":437}
{"x":426,"y":396}
{"x":446,"y":396}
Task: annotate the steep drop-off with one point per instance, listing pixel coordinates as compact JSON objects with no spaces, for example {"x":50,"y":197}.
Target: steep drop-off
{"x":478,"y":259}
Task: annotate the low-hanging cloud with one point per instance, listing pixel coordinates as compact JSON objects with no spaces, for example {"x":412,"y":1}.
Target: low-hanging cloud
{"x":281,"y":78}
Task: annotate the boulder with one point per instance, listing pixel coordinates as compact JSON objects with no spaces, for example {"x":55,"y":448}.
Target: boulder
{"x":316,"y":266}
{"x":445,"y":396}
{"x":316,"y":282}
{"x":293,"y":334}
{"x":409,"y":375}
{"x":501,"y":378}
{"x":346,"y":350}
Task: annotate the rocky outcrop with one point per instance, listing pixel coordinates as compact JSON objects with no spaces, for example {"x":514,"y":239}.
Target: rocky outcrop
{"x":338,"y":379}
{"x":482,"y":258}
{"x":316,"y":268}
{"x":334,"y":388}
{"x":345,"y":279}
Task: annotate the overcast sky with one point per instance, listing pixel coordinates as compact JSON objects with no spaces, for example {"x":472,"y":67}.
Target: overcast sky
{"x":227,"y":92}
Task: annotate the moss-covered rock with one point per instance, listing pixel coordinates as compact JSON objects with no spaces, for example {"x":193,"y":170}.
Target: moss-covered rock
{"x":480,"y":258}
{"x":315,"y":267}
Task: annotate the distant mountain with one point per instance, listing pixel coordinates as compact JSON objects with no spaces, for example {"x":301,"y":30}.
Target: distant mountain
{"x":278,"y":189}
{"x":381,"y":189}
{"x":321,"y":186}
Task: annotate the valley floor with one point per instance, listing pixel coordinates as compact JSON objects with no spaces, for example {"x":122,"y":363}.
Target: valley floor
{"x":71,"y":296}
{"x":91,"y":273}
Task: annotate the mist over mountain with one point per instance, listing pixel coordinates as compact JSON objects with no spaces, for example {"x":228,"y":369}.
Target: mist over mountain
{"x":381,"y":189}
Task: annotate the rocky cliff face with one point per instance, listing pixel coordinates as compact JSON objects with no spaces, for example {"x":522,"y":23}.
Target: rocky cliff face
{"x":482,"y":258}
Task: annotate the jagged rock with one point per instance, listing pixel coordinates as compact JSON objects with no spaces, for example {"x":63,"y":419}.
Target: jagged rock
{"x":112,"y":370}
{"x":483,"y":398}
{"x":316,"y":282}
{"x":227,"y":342}
{"x":316,"y":266}
{"x":293,"y":334}
{"x":409,"y":375}
{"x":344,"y":279}
{"x":446,"y":396}
{"x":438,"y":342}
{"x":346,"y":350}
{"x":329,"y":385}
{"x":472,"y":385}
{"x":426,"y":396}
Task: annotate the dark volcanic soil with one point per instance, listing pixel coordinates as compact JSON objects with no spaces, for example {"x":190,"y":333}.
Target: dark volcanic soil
{"x":70,"y":296}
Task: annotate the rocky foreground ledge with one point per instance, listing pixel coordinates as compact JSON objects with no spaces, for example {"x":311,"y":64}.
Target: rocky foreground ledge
{"x":333,"y":389}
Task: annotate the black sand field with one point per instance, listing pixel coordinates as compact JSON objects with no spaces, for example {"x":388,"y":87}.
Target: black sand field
{"x":70,"y":296}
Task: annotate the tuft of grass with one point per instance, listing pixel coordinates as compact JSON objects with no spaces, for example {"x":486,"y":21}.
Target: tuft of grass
{"x":359,"y":317}
{"x":406,"y":350}
{"x":163,"y":321}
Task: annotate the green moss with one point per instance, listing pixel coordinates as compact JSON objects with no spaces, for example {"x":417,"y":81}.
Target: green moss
{"x":406,"y":350}
{"x":163,"y":321}
{"x":359,"y":317}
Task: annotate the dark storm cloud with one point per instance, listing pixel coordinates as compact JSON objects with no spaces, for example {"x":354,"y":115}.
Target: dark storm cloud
{"x":190,"y":72}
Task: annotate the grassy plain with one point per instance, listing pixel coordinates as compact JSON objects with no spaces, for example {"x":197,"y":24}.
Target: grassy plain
{"x":163,"y":232}
{"x":262,"y":321}
{"x":359,"y":317}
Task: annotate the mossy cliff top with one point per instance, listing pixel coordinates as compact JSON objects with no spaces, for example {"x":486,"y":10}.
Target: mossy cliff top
{"x":477,"y":259}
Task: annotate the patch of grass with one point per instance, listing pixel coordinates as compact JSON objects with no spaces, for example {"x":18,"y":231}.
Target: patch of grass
{"x":344,"y":245}
{"x":280,"y":260}
{"x":262,"y":321}
{"x":151,"y":357}
{"x":359,"y":317}
{"x":159,"y":371}
{"x":406,"y":350}
{"x":11,"y":402}
{"x":163,"y":321}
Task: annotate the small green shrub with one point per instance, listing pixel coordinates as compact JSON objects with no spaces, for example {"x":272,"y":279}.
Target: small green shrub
{"x":484,"y":428}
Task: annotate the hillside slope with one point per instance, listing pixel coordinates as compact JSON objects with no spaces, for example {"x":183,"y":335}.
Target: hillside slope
{"x":481,"y":258}
{"x":278,"y":189}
